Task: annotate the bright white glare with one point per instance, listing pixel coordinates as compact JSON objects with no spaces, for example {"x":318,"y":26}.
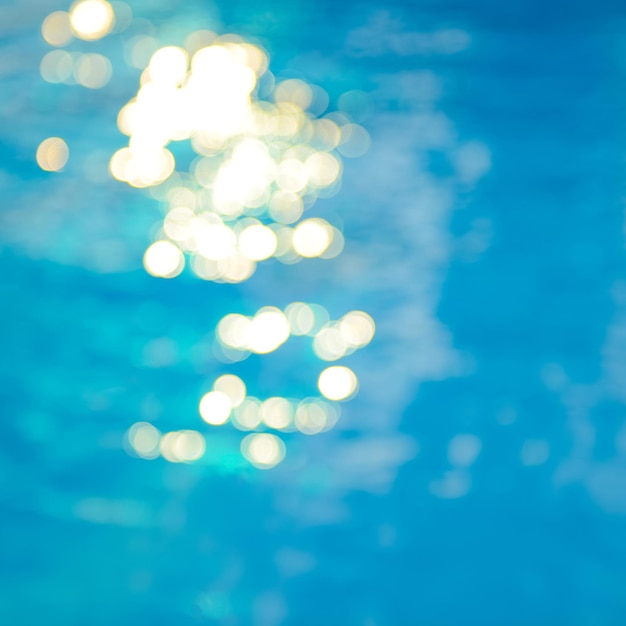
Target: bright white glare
{"x":337,"y":382}
{"x":311,"y":237}
{"x":168,"y":65}
{"x":277,"y":413}
{"x":52,"y":154}
{"x":269,"y":330}
{"x":257,"y":242}
{"x":163,"y":260}
{"x":256,"y":158}
{"x":56,"y":28}
{"x":263,"y":450}
{"x":144,"y":439}
{"x":214,"y":241}
{"x":215,"y":408}
{"x":91,"y":19}
{"x":233,"y":387}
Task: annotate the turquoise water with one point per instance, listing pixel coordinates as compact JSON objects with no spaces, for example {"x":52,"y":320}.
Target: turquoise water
{"x":478,"y":475}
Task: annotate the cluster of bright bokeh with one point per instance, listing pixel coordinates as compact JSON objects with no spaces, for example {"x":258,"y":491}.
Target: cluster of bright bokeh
{"x":88,"y":20}
{"x":228,"y":401}
{"x":263,"y":152}
{"x":269,"y":328}
{"x":260,"y":163}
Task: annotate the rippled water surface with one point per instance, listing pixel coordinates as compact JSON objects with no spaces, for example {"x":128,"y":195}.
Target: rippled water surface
{"x":457,"y":167}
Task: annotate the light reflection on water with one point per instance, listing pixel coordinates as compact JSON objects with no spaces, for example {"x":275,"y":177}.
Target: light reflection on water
{"x":265,"y":153}
{"x":300,"y":238}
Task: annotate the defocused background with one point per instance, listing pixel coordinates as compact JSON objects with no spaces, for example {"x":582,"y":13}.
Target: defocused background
{"x":424,"y":197}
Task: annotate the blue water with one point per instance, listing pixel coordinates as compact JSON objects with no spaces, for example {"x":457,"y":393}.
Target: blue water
{"x":499,"y":296}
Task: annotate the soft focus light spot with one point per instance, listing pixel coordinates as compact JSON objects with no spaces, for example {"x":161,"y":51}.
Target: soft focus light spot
{"x":256,"y":59}
{"x":263,"y":451}
{"x":236,"y":268}
{"x":291,"y":175}
{"x":285,"y":207}
{"x":336,"y":245}
{"x":248,"y":414}
{"x":257,"y":242}
{"x":277,"y":412}
{"x":463,"y":450}
{"x":215,"y":408}
{"x":311,"y":417}
{"x":357,"y":328}
{"x":355,"y":140}
{"x":301,"y":318}
{"x":188,"y":446}
{"x":56,"y":28}
{"x":233,"y":387}
{"x":91,"y":19}
{"x":56,"y":66}
{"x":123,"y":16}
{"x":142,"y":167}
{"x":168,"y":447}
{"x":139,"y":50}
{"x":199,"y":39}
{"x":168,"y":65}
{"x":119,"y":163}
{"x":233,"y":330}
{"x":311,"y":237}
{"x":269,"y":330}
{"x":144,"y":439}
{"x":357,"y":104}
{"x":163,"y":260}
{"x":326,"y":134}
{"x":337,"y":382}
{"x":178,"y":223}
{"x":329,"y":344}
{"x":294,"y":91}
{"x":52,"y":154}
{"x":92,"y":71}
{"x":322,"y":169}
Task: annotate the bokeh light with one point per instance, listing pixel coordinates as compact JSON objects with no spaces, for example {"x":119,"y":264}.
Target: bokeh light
{"x":144,"y":440}
{"x":91,"y":19}
{"x":263,"y":450}
{"x":338,"y":382}
{"x":52,"y":154}
{"x":56,"y":28}
{"x":215,"y":408}
{"x":164,"y":260}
